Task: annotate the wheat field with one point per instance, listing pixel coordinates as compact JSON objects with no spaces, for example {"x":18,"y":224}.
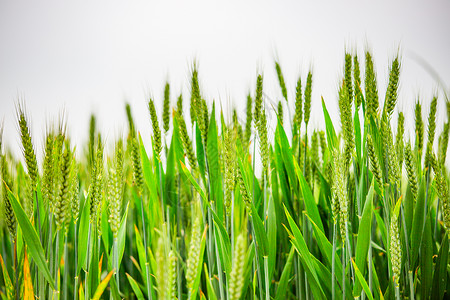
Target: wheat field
{"x":216,"y":209}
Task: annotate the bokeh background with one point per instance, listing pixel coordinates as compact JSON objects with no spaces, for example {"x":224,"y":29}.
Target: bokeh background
{"x":84,"y":57}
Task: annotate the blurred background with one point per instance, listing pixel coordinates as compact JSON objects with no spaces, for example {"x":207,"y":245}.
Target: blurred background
{"x":85,"y":57}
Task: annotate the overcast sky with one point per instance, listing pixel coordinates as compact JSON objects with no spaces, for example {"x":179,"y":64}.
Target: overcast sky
{"x":88,"y":57}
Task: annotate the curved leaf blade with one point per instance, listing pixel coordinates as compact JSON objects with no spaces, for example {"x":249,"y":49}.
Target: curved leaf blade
{"x":31,"y":239}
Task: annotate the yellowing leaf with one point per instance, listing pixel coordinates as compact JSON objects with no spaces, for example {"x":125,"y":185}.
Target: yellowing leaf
{"x":28,"y":293}
{"x":102,"y":286}
{"x":8,"y":283}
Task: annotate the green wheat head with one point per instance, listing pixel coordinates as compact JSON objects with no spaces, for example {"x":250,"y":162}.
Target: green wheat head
{"x":443,"y":144}
{"x":194,"y":252}
{"x":30,"y":159}
{"x":348,"y":76}
{"x":298,"y":104}
{"x":187,"y":144}
{"x":399,"y":138}
{"x":195,"y":94}
{"x":357,"y":82}
{"x":392,"y":89}
{"x":237,"y":268}
{"x":280,"y":112}
{"x":395,"y":248}
{"x":137,"y":167}
{"x":6,"y":185}
{"x":410,"y":170}
{"x":166,"y":108}
{"x":180,"y":103}
{"x":431,"y":129}
{"x":374,"y":164}
{"x":371,"y":88}
{"x":115,"y":189}
{"x":64,"y":200}
{"x":258,"y":98}
{"x":156,"y":130}
{"x":281,"y":80}
{"x":248,"y":122}
{"x":419,"y":127}
{"x":307,"y":104}
{"x":230,"y":168}
{"x":345,"y":109}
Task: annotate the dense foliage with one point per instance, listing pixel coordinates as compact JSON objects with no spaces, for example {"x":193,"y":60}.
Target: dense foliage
{"x":360,"y":213}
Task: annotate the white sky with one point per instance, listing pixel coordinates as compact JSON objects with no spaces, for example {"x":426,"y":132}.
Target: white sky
{"x":89,"y":57}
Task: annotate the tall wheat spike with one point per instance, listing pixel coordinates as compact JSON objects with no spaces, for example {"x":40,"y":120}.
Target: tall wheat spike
{"x":115,"y":189}
{"x":307,"y":103}
{"x":281,"y":80}
{"x":156,"y":130}
{"x":399,"y":138}
{"x":371,"y":88}
{"x":258,"y":98}
{"x":395,"y":248}
{"x":345,"y":109}
{"x":194,"y":252}
{"x":409,"y":164}
{"x":443,"y":143}
{"x":357,"y":82}
{"x":419,"y":127}
{"x":298,"y":104}
{"x":30,"y":159}
{"x":63,"y":204}
{"x":348,"y":76}
{"x":237,"y":268}
{"x":166,"y":108}
{"x":248,"y":123}
{"x":431,"y":129}
{"x":187,"y":144}
{"x":391,"y":93}
{"x":7,"y":184}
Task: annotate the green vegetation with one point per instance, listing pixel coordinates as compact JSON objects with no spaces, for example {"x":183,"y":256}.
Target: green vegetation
{"x":361,"y":213}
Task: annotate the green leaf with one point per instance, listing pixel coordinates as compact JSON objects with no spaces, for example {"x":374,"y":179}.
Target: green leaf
{"x":194,"y":182}
{"x":176,"y":142}
{"x":141,"y":253}
{"x":134,"y":285}
{"x":418,"y":223}
{"x":102,"y":286}
{"x":286,"y":154}
{"x":8,"y":284}
{"x":212,"y":151}
{"x":200,"y":151}
{"x":300,"y":245}
{"x":223,"y":245}
{"x":209,"y":287}
{"x":284,"y":279}
{"x":381,"y":226}
{"x":362,"y":281}
{"x":364,"y":236}
{"x":195,"y":286}
{"x":426,"y":259}
{"x":326,"y":248}
{"x":324,"y":275}
{"x":272,"y":236}
{"x":83,"y":231}
{"x":331,"y":134}
{"x":31,"y":239}
{"x":93,"y":268}
{"x":260,"y":233}
{"x":149,"y":176}
{"x":357,"y":127}
{"x":440,"y":271}
{"x":105,"y":224}
{"x":310,"y":203}
{"x":121,"y":237}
